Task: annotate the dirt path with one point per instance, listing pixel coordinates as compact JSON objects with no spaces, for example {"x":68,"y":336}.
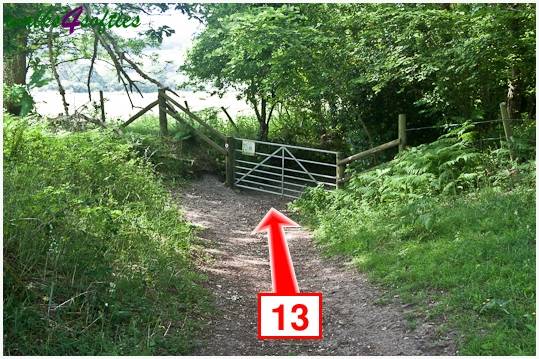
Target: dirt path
{"x":354,"y":324}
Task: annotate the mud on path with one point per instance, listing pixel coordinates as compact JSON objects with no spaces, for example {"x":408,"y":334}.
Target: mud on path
{"x":354,"y":323}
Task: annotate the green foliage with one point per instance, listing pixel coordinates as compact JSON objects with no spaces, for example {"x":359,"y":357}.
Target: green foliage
{"x":166,"y":154}
{"x":451,"y":165}
{"x":330,"y":66}
{"x":97,"y":259}
{"x":247,"y":47}
{"x":182,"y":153}
{"x":17,"y":96}
{"x":447,"y":224}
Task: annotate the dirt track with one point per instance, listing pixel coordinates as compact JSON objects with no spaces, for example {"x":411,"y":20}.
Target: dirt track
{"x":354,"y":322}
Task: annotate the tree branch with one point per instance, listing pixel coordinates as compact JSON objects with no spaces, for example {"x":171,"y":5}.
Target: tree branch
{"x":70,"y":60}
{"x":122,"y":74}
{"x":121,"y":55}
{"x":55,"y":72}
{"x":271,"y":112}
{"x":92,"y":61}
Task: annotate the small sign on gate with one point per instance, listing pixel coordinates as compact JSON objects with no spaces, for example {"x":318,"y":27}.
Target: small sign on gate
{"x":248,"y":147}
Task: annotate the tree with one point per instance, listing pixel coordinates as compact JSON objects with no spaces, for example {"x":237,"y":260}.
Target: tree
{"x":247,"y":48}
{"x":349,"y":69}
{"x":24,"y":49}
{"x":15,"y":41}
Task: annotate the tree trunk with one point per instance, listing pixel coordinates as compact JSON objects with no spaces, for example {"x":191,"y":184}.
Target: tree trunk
{"x":263,"y":127}
{"x":15,"y":67}
{"x":263,"y":130}
{"x":263,"y":121}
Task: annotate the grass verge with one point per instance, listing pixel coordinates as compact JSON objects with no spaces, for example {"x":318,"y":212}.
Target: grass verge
{"x":463,"y":250}
{"x":97,"y":259}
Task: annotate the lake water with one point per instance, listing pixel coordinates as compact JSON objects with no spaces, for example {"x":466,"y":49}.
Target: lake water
{"x":117,"y":104}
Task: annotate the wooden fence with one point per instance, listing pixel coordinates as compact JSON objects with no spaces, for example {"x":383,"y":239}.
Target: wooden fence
{"x":167,"y":105}
{"x":401,"y":142}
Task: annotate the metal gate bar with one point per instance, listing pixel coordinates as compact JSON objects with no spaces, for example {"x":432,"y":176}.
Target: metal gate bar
{"x":262,"y":190}
{"x":287,"y":169}
{"x":311,"y":149}
{"x":291,"y":177}
{"x":300,"y":160}
{"x":268,"y":167}
{"x":286,"y":176}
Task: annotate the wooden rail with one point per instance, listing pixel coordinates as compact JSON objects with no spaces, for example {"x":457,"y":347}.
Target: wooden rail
{"x":236,"y":130}
{"x":206,"y":139}
{"x":369,"y":152}
{"x":168,"y":105}
{"x":401,"y":142}
{"x":161,"y":99}
{"x":195,"y":117}
{"x":140,"y":113}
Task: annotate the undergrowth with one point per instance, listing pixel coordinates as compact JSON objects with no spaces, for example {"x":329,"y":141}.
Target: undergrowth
{"x":179,"y":155}
{"x":97,"y":259}
{"x":451,"y":229}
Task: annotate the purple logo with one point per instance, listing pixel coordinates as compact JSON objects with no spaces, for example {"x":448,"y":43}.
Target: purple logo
{"x":72,"y":24}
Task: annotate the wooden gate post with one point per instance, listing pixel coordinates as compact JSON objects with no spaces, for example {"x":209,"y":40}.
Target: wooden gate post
{"x":507,"y":129}
{"x":230,"y":159}
{"x":402,"y":132}
{"x":102,"y":106}
{"x":163,"y":128}
{"x":340,"y":171}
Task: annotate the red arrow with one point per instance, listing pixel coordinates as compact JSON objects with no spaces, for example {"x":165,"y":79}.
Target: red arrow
{"x":283,"y":278}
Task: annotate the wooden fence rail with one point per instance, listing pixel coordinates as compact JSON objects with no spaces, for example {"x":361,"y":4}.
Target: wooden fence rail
{"x":401,"y":142}
{"x":370,"y":151}
{"x":195,"y":117}
{"x":140,"y":113}
{"x":206,"y":139}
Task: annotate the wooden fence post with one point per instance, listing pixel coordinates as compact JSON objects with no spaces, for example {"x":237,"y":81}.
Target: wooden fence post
{"x":163,"y":128}
{"x":339,"y":180}
{"x":507,"y":129}
{"x":102,"y":106}
{"x":402,"y":132}
{"x":230,"y":159}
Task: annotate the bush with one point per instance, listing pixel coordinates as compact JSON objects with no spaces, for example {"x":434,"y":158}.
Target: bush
{"x":17,"y":99}
{"x":97,"y":259}
{"x":178,"y":155}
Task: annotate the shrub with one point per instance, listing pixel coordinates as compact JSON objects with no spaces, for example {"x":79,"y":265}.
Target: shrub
{"x":97,"y":259}
{"x":17,"y":99}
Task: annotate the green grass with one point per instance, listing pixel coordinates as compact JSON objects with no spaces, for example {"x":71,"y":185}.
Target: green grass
{"x":97,"y":258}
{"x":477,"y":262}
{"x":148,"y":125}
{"x":470,"y":250}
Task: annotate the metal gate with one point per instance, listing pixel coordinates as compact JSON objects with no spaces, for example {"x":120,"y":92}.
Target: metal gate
{"x":281,"y":169}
